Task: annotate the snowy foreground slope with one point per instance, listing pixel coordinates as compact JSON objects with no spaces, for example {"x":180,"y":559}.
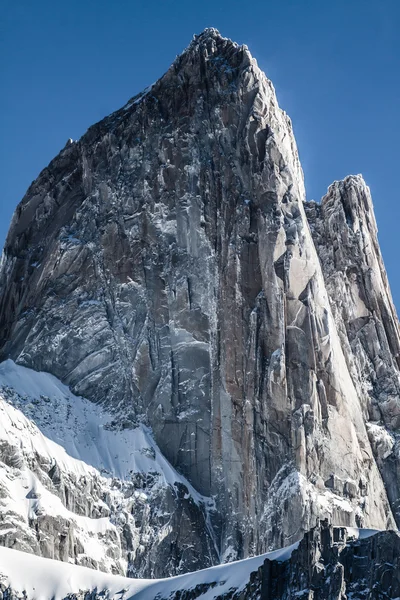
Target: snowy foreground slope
{"x":326,"y":565}
{"x":43,"y":579}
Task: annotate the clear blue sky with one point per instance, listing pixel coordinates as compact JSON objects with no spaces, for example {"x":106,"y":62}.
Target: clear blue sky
{"x":335,"y":65}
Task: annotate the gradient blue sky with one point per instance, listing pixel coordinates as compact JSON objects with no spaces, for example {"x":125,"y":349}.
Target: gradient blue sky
{"x":335,"y":65}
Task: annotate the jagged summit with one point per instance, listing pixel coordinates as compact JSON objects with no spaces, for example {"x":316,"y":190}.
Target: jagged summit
{"x":211,"y":41}
{"x":166,"y":268}
{"x":210,"y":62}
{"x":209,"y":57}
{"x":356,"y":181}
{"x":209,"y":32}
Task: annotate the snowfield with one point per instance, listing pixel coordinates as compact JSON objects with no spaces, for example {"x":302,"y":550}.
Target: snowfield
{"x":42,"y":578}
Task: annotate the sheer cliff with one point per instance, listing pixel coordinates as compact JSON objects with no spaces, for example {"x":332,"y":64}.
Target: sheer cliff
{"x":167,"y":268}
{"x":345,"y":235}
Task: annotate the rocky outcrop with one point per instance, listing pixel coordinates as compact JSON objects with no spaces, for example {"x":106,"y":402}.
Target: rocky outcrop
{"x":330,"y":565}
{"x":345,"y":234}
{"x":164,"y":266}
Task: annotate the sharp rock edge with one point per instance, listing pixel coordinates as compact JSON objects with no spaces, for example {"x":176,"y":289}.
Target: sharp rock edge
{"x":167,"y":267}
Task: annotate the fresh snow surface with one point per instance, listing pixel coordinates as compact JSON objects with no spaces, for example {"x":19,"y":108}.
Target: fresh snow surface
{"x":42,"y":578}
{"x":80,"y":429}
{"x":361,"y":534}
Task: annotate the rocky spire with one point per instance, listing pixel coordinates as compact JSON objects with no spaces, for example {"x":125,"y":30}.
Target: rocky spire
{"x":345,"y":234}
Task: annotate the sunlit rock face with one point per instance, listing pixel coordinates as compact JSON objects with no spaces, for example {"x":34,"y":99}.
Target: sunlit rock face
{"x":164,"y":267}
{"x":345,"y":235}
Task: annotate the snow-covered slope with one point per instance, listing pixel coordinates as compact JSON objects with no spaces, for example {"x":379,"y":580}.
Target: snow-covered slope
{"x":81,"y":430}
{"x":72,"y":487}
{"x":42,"y":579}
{"x":329,"y":563}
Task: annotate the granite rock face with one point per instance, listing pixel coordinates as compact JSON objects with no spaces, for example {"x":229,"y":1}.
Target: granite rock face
{"x":167,"y":266}
{"x":345,"y":235}
{"x":330,"y":565}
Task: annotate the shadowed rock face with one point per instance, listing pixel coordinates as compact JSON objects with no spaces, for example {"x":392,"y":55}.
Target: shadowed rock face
{"x":329,"y":565}
{"x":163,"y":265}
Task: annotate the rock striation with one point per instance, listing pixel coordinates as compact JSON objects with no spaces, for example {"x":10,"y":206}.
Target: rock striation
{"x":345,"y":235}
{"x":167,"y":267}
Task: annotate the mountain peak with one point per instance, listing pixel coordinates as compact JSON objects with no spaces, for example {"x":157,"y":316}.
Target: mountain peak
{"x":210,"y":45}
{"x":166,"y":268}
{"x":211,"y":35}
{"x":208,"y":32}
